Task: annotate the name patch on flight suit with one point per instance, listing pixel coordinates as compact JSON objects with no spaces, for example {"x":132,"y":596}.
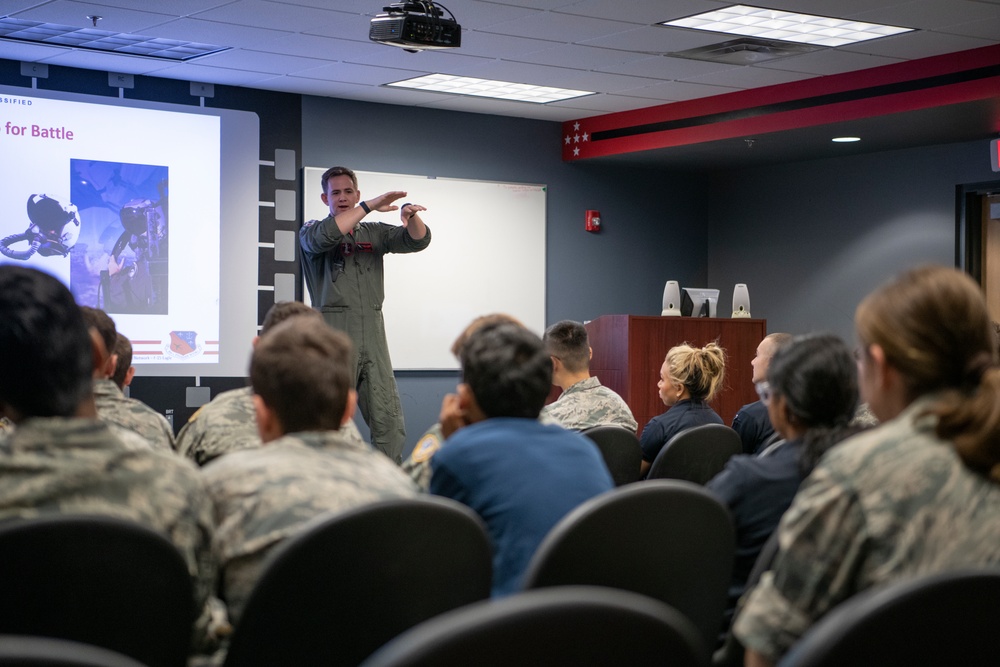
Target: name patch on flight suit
{"x":348,"y":249}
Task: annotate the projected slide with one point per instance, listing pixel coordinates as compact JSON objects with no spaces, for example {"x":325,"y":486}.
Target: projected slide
{"x":123,"y":205}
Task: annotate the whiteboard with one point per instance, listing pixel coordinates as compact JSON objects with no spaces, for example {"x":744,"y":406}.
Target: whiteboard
{"x":487,"y":255}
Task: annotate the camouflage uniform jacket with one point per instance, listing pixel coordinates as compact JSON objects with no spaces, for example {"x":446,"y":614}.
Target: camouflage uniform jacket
{"x":418,"y":464}
{"x":227,"y":424}
{"x":891,"y":503}
{"x":114,"y":407}
{"x":586,"y":404}
{"x":263,"y":496}
{"x":77,"y":466}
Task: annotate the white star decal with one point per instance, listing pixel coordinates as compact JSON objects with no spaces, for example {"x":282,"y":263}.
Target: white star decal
{"x":576,"y":139}
{"x":576,"y":127}
{"x":585,"y":135}
{"x":576,"y":151}
{"x":567,"y":140}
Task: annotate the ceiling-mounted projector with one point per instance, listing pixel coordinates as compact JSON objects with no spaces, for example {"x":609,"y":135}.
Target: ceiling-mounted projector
{"x":416,"y":26}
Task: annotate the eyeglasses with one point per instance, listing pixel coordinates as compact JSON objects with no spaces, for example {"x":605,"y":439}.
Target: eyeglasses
{"x":764,"y":391}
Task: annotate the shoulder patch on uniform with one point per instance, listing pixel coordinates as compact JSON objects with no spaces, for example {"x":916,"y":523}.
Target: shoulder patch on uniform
{"x":425,"y":448}
{"x":309,"y":223}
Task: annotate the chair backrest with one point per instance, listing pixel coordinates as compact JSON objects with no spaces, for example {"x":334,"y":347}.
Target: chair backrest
{"x":579,"y":626}
{"x":97,"y":580}
{"x":668,"y":539}
{"x":731,"y":653}
{"x":20,"y":651}
{"x":351,"y":581}
{"x":621,"y":451}
{"x":696,"y":454}
{"x":943,"y":619}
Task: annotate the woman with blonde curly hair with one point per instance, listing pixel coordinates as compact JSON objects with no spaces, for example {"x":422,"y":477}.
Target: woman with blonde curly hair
{"x":918,"y":495}
{"x":689,"y":378}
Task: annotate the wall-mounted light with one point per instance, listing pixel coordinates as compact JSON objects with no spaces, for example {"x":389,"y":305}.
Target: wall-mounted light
{"x":845,"y":140}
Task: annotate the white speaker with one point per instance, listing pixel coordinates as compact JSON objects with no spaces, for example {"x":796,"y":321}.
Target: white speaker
{"x":741,"y":301}
{"x":672,"y":299}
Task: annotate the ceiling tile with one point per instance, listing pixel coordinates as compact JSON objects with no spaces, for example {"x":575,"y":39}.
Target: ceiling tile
{"x":664,"y":67}
{"x":919,"y":44}
{"x":829,"y":61}
{"x":264,"y":14}
{"x":75,"y":14}
{"x":564,"y":27}
{"x":748,"y":77}
{"x":657,"y":39}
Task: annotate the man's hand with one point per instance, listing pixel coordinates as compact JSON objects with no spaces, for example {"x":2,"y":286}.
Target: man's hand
{"x":452,"y":415}
{"x":383,"y":202}
{"x":408,"y":211}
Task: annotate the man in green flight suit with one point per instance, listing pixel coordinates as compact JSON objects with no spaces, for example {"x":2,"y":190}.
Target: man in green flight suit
{"x":342,"y":266}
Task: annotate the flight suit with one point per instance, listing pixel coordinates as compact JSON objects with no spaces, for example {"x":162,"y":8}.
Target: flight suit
{"x":345,"y":276}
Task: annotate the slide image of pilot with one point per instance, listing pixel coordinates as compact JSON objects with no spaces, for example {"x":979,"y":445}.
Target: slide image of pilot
{"x":120,"y":262}
{"x":53,"y":228}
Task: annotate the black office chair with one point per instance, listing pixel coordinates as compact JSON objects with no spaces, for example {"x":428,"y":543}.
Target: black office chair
{"x":98,"y":580}
{"x":668,"y":539}
{"x":20,"y":651}
{"x":577,"y":625}
{"x":352,"y":581}
{"x":696,"y":454}
{"x":621,"y":451}
{"x":943,"y":619}
{"x":731,"y":653}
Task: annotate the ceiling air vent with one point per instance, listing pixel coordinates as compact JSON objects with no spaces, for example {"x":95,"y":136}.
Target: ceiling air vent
{"x":746,"y":51}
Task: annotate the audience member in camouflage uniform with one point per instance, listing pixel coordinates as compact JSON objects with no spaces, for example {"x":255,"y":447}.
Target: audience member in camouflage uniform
{"x":418,"y":464}
{"x":112,"y":405}
{"x":226,"y":424}
{"x":61,"y":459}
{"x":917,"y":495}
{"x":301,"y":377}
{"x":124,"y":370}
{"x":584,"y":402}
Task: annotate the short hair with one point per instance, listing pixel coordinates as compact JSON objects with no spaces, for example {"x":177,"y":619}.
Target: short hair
{"x":123,"y":348}
{"x":283,"y":310}
{"x":302,"y":371}
{"x":508,"y":371}
{"x":778,"y":339}
{"x":568,"y":341}
{"x":97,"y":319}
{"x":478,"y":323}
{"x":337,"y":171}
{"x":700,"y":370}
{"x":46,"y":351}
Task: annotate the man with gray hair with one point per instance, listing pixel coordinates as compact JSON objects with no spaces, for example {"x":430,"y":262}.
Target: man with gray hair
{"x":751,"y":421}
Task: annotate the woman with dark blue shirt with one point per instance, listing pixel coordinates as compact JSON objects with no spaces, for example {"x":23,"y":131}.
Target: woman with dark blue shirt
{"x":689,"y":378}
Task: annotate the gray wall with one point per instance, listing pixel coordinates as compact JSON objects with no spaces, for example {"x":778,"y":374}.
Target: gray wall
{"x":651,"y":230}
{"x":810,"y":239}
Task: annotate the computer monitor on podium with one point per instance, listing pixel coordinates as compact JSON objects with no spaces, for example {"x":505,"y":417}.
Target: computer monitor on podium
{"x":699,"y":302}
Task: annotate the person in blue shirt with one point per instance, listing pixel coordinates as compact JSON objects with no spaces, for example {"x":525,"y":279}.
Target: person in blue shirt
{"x":519,"y":475}
{"x":751,"y":421}
{"x":689,"y":378}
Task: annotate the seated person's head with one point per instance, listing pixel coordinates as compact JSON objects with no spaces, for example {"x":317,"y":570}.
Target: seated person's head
{"x":692,"y":372}
{"x":45,"y":346}
{"x":478,"y":323}
{"x":284,"y":310}
{"x":813,"y":384}
{"x":102,"y":323}
{"x":301,"y":377}
{"x":567,"y":341}
{"x":123,"y":363}
{"x":506,"y":372}
{"x":931,"y":327}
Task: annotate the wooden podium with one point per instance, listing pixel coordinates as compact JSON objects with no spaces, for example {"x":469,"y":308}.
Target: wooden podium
{"x":629,"y":351}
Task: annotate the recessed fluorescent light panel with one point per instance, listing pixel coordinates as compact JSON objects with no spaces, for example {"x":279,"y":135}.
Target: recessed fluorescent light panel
{"x":498,"y":90}
{"x":786,"y":26}
{"x":103,"y":40}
